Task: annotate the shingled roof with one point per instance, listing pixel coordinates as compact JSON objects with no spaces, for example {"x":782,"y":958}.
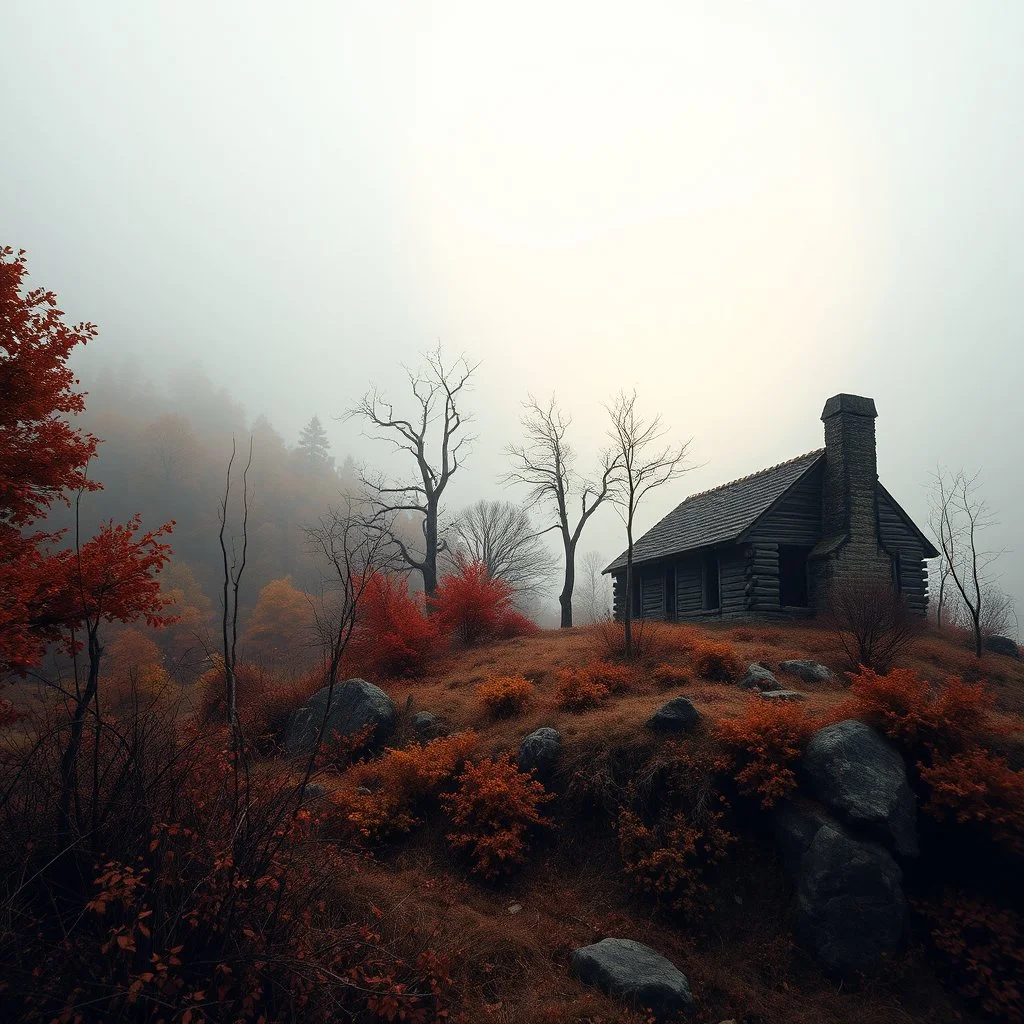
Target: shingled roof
{"x":721,"y":514}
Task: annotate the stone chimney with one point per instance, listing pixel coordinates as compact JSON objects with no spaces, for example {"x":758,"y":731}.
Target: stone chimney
{"x":851,"y":470}
{"x":850,"y":511}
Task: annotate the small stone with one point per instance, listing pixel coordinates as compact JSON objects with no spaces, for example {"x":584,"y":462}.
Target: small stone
{"x":678,"y":715}
{"x":538,"y":753}
{"x":807,"y":670}
{"x":515,"y":908}
{"x":313,"y":791}
{"x":364,"y":791}
{"x":424,"y":722}
{"x":759,"y":678}
{"x":635,"y":973}
{"x":782,"y":695}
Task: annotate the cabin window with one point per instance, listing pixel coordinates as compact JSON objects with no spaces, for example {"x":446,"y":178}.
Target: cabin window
{"x":712,"y":590}
{"x":793,"y":591}
{"x":897,"y":573}
{"x":636,"y":597}
{"x":670,"y":591}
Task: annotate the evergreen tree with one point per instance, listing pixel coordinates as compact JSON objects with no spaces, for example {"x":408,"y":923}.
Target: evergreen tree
{"x":313,"y":442}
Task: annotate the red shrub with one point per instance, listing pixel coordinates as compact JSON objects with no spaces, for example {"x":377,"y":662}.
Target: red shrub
{"x":493,"y":810}
{"x":981,"y":788}
{"x":393,"y":637}
{"x":909,"y":710}
{"x":668,"y":676}
{"x":716,"y":661}
{"x":471,"y":606}
{"x":669,"y":862}
{"x":764,"y":744}
{"x":578,"y":692}
{"x":400,"y":784}
{"x":985,"y":947}
{"x":505,"y":696}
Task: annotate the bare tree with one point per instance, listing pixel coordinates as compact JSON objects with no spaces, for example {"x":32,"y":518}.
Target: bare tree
{"x":433,"y":437}
{"x":595,"y":589}
{"x":546,"y":463}
{"x":500,"y":535}
{"x":961,"y":518}
{"x":232,"y":581}
{"x":998,"y":616}
{"x":647,"y":462}
{"x":871,"y":623}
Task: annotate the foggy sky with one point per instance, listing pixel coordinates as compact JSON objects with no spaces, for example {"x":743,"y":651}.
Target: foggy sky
{"x":739,"y":209}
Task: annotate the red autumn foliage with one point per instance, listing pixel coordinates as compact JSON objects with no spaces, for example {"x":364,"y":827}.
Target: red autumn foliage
{"x":984,"y":945}
{"x":470,"y":607}
{"x":493,"y":811}
{"x":763,"y":746}
{"x":577,"y":691}
{"x":401,"y":783}
{"x":909,"y":710}
{"x":978,"y":788}
{"x":393,"y":636}
{"x":668,"y":676}
{"x":505,"y":696}
{"x":715,"y":660}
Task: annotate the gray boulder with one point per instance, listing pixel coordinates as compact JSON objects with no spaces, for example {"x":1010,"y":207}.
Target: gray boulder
{"x":855,"y":772}
{"x":1001,"y":645}
{"x":759,"y":678}
{"x":539,"y":751}
{"x":354,"y":705}
{"x":850,"y":907}
{"x":635,"y":973}
{"x":795,"y":827}
{"x":807,"y":670}
{"x":678,"y":715}
{"x":424,"y":723}
{"x":782,"y":695}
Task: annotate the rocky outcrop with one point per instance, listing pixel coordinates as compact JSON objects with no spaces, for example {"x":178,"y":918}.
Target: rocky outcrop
{"x":782,"y":695}
{"x":678,"y":715}
{"x":759,"y":678}
{"x":425,"y":724}
{"x":853,"y":771}
{"x":850,"y":907}
{"x":539,"y":751}
{"x":636,"y":974}
{"x":1001,"y":645}
{"x":807,"y":670}
{"x":354,"y":705}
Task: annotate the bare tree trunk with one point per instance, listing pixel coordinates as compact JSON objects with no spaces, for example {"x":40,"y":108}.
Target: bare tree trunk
{"x":569,"y":584}
{"x":627,"y":613}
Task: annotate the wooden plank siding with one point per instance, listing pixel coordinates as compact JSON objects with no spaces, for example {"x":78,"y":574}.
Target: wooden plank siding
{"x":898,"y":537}
{"x":796,"y":519}
{"x":689,"y":587}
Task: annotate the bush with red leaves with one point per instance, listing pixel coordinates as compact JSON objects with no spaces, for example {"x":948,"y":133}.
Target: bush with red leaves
{"x":493,"y":811}
{"x":577,"y":691}
{"x":764,"y":744}
{"x":471,"y":607}
{"x":716,"y":660}
{"x":393,"y":636}
{"x":505,"y":696}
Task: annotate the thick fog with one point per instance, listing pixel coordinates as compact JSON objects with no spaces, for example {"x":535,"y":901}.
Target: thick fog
{"x":738,"y":209}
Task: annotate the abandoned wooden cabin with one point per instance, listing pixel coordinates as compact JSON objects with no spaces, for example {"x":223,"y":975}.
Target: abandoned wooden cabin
{"x":775,"y":542}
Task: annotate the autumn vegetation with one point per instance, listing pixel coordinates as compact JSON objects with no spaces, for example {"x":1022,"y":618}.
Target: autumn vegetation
{"x":160,"y":864}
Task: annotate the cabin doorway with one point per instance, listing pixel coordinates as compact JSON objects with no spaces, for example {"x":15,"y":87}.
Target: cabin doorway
{"x":793,"y":589}
{"x":712,"y":586}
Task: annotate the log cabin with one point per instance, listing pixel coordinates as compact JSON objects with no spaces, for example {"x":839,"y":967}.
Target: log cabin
{"x":774,"y":543}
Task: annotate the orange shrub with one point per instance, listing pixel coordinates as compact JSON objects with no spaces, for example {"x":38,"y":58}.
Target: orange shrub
{"x":985,"y":947}
{"x":471,"y":606}
{"x":393,"y":636}
{"x":981,"y":788}
{"x":667,"y":676}
{"x":578,"y":692}
{"x":716,"y":661}
{"x":401,"y":782}
{"x":763,"y":745}
{"x":909,"y":710}
{"x":670,"y":862}
{"x":505,"y":696}
{"x":493,"y":810}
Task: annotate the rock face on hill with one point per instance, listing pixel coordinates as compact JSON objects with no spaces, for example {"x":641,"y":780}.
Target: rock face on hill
{"x":635,"y":973}
{"x":538,"y":753}
{"x":851,"y":911}
{"x":678,"y":715}
{"x":759,"y":678}
{"x":354,"y":705}
{"x":1002,"y":645}
{"x":807,"y":670}
{"x":853,"y":771}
